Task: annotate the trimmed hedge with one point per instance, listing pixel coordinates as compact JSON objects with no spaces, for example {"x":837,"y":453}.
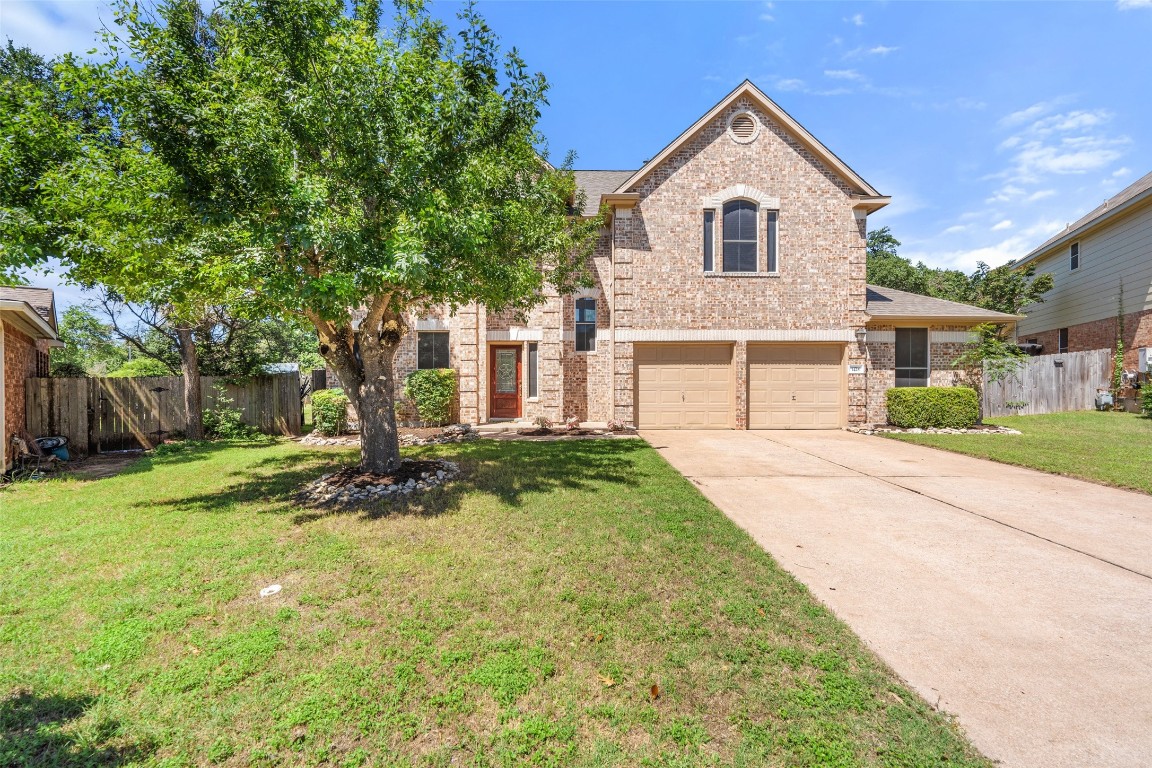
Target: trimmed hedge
{"x":433,"y":392}
{"x":330,"y":411}
{"x":942,"y":407}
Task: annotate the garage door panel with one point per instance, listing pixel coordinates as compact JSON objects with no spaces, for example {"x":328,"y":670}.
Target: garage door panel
{"x":683,"y":386}
{"x":795,"y":386}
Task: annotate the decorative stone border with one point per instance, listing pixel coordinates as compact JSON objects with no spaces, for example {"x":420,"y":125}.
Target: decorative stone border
{"x":986,"y":430}
{"x":352,"y":487}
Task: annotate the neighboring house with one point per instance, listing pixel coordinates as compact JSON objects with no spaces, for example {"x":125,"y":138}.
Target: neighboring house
{"x":729,"y":293}
{"x":1089,"y":261}
{"x":27,"y":333}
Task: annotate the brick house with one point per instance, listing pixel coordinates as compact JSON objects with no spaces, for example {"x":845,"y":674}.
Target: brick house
{"x":27,"y":334}
{"x":729,"y":293}
{"x":1089,"y":261}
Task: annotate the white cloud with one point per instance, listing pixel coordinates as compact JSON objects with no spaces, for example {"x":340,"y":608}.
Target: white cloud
{"x":956,"y":229}
{"x":1129,"y":5}
{"x":1001,"y":226}
{"x":1036,"y":110}
{"x":53,"y":27}
{"x":843,"y":74}
{"x":1121,"y":172}
{"x":767,"y":17}
{"x":995,"y":254}
{"x":856,"y":19}
{"x":1039,"y":195}
{"x":790,"y":84}
{"x":876,"y":50}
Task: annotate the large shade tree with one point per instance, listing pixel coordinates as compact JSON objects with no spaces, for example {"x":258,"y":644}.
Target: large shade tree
{"x":359,"y":166}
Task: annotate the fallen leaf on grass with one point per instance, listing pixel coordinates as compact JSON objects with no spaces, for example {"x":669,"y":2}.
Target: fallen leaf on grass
{"x":655,"y":691}
{"x":607,"y":681}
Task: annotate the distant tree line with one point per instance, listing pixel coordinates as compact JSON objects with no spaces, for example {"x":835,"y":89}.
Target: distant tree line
{"x":1002,"y":289}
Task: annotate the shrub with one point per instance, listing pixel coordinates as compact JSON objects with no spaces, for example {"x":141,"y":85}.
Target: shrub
{"x":952,"y":407}
{"x":433,"y":392}
{"x":227,"y":423}
{"x":1146,"y":398}
{"x":330,"y":411}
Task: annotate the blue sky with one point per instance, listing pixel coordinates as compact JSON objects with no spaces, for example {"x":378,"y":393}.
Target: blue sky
{"x":990,"y":124}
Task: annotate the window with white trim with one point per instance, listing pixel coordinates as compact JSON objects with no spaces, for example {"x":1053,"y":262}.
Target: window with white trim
{"x":1062,"y":340}
{"x":1074,"y":257}
{"x":911,"y":357}
{"x":770,"y":240}
{"x":533,"y":369}
{"x":740,"y":236}
{"x":709,"y":240}
{"x":586,"y":325}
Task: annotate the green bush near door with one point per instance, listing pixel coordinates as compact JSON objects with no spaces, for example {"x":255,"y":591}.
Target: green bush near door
{"x":941,"y":407}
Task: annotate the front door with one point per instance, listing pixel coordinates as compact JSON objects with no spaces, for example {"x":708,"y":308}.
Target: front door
{"x":504,"y":382}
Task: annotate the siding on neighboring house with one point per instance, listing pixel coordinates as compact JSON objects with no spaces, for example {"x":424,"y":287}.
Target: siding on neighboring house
{"x":1085,"y":301}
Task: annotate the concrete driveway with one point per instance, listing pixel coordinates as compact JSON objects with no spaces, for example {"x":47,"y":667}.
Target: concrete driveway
{"x":1019,"y":601}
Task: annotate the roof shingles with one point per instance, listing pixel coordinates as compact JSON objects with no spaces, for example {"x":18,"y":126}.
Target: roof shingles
{"x":40,"y":299}
{"x":597,"y":183}
{"x":890,"y":303}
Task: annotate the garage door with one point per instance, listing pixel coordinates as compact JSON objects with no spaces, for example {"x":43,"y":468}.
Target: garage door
{"x":795,"y":386}
{"x":683,"y":386}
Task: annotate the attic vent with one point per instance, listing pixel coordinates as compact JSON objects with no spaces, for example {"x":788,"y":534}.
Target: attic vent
{"x":743,"y":127}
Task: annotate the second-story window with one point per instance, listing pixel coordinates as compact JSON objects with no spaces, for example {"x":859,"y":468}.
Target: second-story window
{"x":740,"y":238}
{"x":1074,"y":257}
{"x":585,"y":325}
{"x":709,"y":241}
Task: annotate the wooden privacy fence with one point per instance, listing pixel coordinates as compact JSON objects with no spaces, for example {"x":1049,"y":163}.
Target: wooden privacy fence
{"x":140,"y":412}
{"x":1050,"y":384}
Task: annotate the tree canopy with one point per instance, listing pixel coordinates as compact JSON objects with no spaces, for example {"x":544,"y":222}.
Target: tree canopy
{"x":1003,"y":289}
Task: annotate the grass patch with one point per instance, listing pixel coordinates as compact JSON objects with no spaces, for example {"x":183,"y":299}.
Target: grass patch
{"x":564,"y":603}
{"x":1104,"y":447}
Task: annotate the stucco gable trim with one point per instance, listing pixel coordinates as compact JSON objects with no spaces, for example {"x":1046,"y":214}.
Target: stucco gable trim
{"x":763,"y":199}
{"x":778,"y":115}
{"x":517,"y":334}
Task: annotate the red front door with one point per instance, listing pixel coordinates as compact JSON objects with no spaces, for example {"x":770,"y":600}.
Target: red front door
{"x":504,"y":382}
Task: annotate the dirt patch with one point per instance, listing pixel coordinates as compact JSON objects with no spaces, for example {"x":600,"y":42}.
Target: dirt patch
{"x":101,"y":465}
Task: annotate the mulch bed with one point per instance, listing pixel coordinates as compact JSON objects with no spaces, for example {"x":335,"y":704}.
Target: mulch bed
{"x":410,"y":469}
{"x":575,"y":432}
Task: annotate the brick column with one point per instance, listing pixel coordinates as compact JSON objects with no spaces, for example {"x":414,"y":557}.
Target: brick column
{"x":740,"y":364}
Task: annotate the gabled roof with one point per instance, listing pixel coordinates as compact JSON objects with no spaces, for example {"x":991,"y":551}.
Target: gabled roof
{"x":1130,"y":196}
{"x":869,"y":197}
{"x":42,"y":300}
{"x":598,"y":183}
{"x":890,"y":304}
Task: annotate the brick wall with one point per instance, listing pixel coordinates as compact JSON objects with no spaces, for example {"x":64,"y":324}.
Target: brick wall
{"x":1101,"y":334}
{"x":19,"y":364}
{"x":943,"y":350}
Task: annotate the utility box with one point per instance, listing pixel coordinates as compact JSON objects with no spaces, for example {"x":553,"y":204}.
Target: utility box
{"x":1144,"y":360}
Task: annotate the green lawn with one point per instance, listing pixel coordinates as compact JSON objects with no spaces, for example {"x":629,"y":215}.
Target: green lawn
{"x":521,"y":616}
{"x":1110,"y":448}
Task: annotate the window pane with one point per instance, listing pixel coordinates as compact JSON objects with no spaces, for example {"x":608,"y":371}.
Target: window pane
{"x":505,"y":371}
{"x":739,"y":257}
{"x":586,"y":310}
{"x":739,"y":220}
{"x":912,"y":357}
{"x":533,"y":370}
{"x":585,"y":337}
{"x":771,"y":237}
{"x":709,"y":244}
{"x":431,"y":350}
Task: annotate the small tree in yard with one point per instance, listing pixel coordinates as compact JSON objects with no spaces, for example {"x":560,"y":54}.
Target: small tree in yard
{"x":358,"y":170}
{"x":991,"y":355}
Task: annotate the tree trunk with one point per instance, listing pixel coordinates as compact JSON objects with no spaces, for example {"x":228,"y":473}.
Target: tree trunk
{"x":379,"y":439}
{"x":363,"y":360}
{"x":193,"y":403}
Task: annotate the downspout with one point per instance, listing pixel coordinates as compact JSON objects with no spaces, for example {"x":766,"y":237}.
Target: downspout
{"x":612,"y":320}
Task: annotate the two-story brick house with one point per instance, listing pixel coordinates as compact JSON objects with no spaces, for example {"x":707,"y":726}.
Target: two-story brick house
{"x":729,"y":293}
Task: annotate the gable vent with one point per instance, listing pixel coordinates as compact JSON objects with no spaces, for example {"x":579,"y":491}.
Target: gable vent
{"x":743,"y":127}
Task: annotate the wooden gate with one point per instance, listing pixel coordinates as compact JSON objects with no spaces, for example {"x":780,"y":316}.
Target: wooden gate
{"x":140,"y":412}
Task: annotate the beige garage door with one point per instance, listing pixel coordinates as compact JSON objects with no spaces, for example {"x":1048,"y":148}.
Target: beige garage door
{"x":683,"y":386}
{"x":795,"y":386}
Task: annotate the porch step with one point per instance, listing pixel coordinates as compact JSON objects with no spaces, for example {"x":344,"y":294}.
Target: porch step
{"x":497,"y":427}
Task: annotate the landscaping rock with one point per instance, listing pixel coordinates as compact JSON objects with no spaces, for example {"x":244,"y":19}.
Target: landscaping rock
{"x":352,"y":486}
{"x":985,"y":429}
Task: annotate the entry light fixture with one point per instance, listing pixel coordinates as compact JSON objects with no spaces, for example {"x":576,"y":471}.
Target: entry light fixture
{"x":861,"y":336}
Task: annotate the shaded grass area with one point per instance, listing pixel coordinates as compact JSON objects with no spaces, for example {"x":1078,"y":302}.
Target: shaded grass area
{"x":1110,"y":448}
{"x":566,"y":603}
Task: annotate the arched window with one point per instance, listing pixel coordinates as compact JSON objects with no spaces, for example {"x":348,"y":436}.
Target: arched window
{"x":739,"y":236}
